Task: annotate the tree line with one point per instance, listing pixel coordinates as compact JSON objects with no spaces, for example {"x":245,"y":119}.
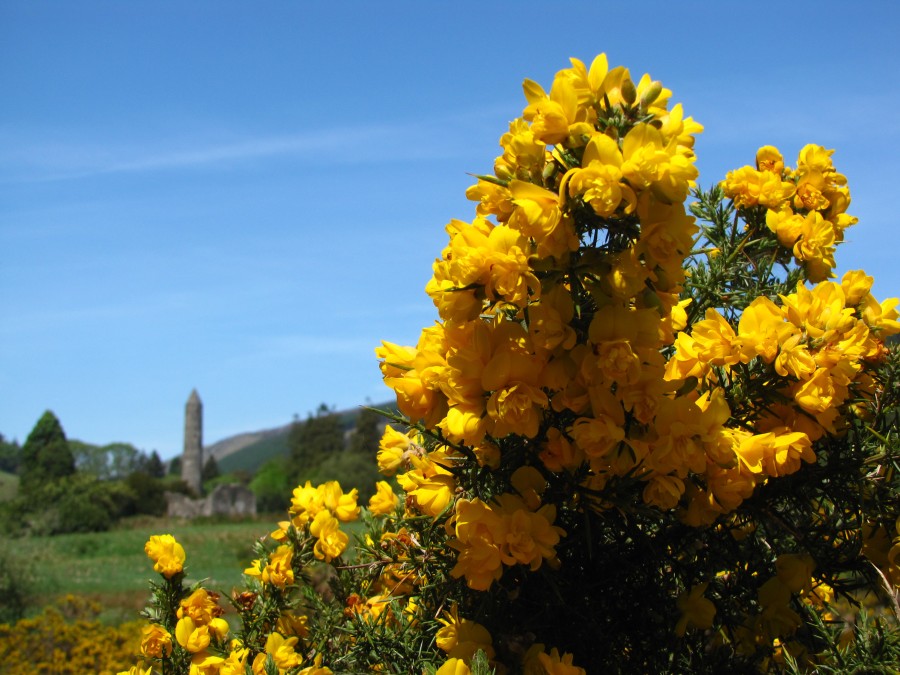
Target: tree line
{"x":71,"y":486}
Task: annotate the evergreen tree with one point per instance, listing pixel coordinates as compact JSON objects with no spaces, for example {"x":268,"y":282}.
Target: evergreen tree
{"x":10,"y":455}
{"x":46,"y":456}
{"x":314,"y":440}
{"x":153,"y":466}
{"x":175,"y":466}
{"x":367,"y":433}
{"x":210,"y":469}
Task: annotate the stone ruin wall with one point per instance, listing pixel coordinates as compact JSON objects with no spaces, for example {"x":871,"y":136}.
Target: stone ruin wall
{"x":224,"y":500}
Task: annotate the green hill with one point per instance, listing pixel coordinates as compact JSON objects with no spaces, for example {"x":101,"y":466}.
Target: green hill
{"x":256,"y":454}
{"x":274,"y":443}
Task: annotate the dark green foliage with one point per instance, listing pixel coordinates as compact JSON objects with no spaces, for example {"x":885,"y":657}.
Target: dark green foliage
{"x":149,"y":497}
{"x":314,"y":440}
{"x":272,"y":486}
{"x":875,"y":649}
{"x":10,"y":455}
{"x":319,"y":452}
{"x":351,"y":470}
{"x":175,"y":466}
{"x":210,"y":469}
{"x":76,"y":503}
{"x":15,"y":587}
{"x":153,"y":466}
{"x":45,"y":455}
{"x":367,"y":434}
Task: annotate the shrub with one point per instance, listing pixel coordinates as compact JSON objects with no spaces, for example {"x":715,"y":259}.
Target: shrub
{"x":271,"y":486}
{"x":67,"y":639}
{"x":16,"y":585}
{"x":636,"y":443}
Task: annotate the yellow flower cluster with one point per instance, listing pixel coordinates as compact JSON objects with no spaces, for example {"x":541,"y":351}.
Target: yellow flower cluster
{"x":67,"y":638}
{"x":504,"y":532}
{"x":199,"y":636}
{"x":322,"y":509}
{"x":166,"y":553}
{"x":805,"y":207}
{"x":541,"y":318}
{"x":562,"y":332}
{"x":812,"y":350}
{"x":201,"y":626}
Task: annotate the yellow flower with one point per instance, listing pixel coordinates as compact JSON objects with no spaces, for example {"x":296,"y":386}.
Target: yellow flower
{"x":748,"y":187}
{"x":768,"y":158}
{"x":192,"y":637}
{"x":550,"y":116}
{"x":166,"y":553}
{"x":282,"y":652}
{"x":696,"y":611}
{"x":492,"y":199}
{"x":391,"y":450}
{"x":599,"y":181}
{"x":430,"y":493}
{"x":461,"y":638}
{"x":795,"y":571}
{"x":305,"y":504}
{"x":156,"y":641}
{"x":477,"y":529}
{"x":341,"y":504}
{"x":537,"y":215}
{"x":136,"y":670}
{"x":316,"y":668}
{"x":817,"y":394}
{"x":509,"y":276}
{"x":538,"y":662}
{"x":201,"y":605}
{"x":293,"y":624}
{"x":331,"y":542}
{"x":235,"y":662}
{"x":454,"y":667}
{"x":558,"y":453}
{"x":529,"y":537}
{"x":384,"y":501}
{"x":206,"y":664}
{"x":278,"y":571}
{"x":663,"y":492}
{"x":651,"y":162}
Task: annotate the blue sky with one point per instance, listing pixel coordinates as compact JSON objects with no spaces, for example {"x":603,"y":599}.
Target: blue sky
{"x":247,"y":197}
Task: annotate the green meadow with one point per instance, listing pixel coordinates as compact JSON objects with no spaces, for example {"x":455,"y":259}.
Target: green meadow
{"x":111,"y":567}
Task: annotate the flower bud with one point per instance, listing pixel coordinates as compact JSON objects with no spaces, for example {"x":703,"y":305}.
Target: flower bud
{"x":652,"y":93}
{"x":629,"y":93}
{"x":549,"y":170}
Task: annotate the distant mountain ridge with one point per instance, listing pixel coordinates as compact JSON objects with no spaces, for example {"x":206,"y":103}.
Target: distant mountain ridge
{"x":232,"y":444}
{"x":248,"y":451}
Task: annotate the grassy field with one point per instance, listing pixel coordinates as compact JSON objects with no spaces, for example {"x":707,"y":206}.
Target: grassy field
{"x":111,"y":567}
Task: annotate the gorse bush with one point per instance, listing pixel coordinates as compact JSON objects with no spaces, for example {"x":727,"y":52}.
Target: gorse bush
{"x":648,"y":434}
{"x":67,"y":639}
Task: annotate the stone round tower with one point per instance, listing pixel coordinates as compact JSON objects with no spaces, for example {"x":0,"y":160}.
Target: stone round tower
{"x":192,"y":459}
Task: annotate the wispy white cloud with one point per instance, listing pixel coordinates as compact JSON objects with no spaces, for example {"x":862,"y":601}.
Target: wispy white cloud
{"x":24,"y":159}
{"x":42,"y":320}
